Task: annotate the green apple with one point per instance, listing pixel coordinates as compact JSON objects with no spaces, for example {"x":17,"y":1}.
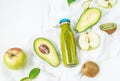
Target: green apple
{"x":15,"y":58}
{"x":89,"y":40}
{"x":106,"y":3}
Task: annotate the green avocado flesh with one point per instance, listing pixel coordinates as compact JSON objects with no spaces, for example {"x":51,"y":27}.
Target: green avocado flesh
{"x":50,"y":55}
{"x":88,"y":18}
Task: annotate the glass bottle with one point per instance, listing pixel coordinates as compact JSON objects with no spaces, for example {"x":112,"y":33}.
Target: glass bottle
{"x":68,"y":46}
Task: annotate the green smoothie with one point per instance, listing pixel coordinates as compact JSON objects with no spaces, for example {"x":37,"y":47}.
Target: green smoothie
{"x":68,"y":46}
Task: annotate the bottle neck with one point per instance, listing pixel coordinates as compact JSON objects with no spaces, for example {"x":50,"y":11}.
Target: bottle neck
{"x":65,"y":26}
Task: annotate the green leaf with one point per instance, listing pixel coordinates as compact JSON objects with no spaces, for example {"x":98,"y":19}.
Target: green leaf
{"x":70,"y":1}
{"x":34,"y":72}
{"x":26,"y":79}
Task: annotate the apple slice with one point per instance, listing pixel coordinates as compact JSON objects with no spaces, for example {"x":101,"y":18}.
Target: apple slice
{"x":93,"y":39}
{"x":83,"y":41}
{"x":89,"y":40}
{"x":106,"y":3}
{"x":86,"y":4}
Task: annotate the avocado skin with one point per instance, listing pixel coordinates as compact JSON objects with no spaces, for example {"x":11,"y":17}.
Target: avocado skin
{"x":45,"y":59}
{"x":76,"y":27}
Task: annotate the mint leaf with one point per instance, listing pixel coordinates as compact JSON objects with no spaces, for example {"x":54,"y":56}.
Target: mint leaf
{"x":34,"y":72}
{"x":26,"y":79}
{"x":70,"y":1}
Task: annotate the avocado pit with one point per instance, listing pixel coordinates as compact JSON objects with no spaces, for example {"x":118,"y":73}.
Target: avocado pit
{"x":44,"y":49}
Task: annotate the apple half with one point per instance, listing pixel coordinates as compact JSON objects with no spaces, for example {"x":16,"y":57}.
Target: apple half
{"x":89,"y":40}
{"x":106,"y":3}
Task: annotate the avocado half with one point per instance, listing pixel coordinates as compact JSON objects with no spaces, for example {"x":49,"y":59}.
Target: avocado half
{"x":45,"y":50}
{"x":88,"y":18}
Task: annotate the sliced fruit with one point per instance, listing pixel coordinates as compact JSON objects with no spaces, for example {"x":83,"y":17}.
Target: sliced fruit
{"x":83,"y":41}
{"x":45,"y":49}
{"x":88,"y":18}
{"x":106,"y":3}
{"x":86,"y":4}
{"x":108,"y":27}
{"x":89,"y":40}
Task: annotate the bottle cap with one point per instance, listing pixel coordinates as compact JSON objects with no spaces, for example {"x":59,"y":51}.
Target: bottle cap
{"x":64,"y":20}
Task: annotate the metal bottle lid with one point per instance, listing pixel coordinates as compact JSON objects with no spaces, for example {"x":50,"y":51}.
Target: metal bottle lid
{"x":64,"y":20}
